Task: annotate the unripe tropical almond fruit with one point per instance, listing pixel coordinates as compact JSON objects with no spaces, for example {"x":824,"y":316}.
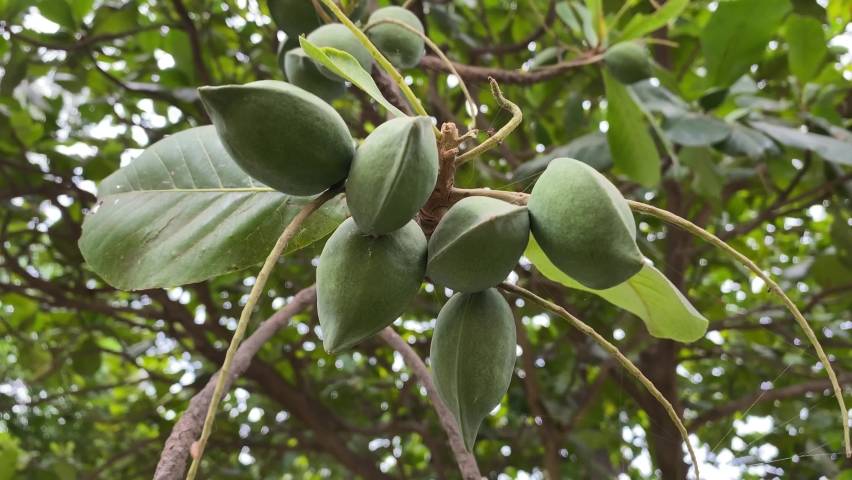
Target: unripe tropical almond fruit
{"x":302,"y":71}
{"x":584,"y":225}
{"x":401,"y":47}
{"x":628,"y":62}
{"x":472,"y":357}
{"x":477,"y":243}
{"x":394,"y":172}
{"x":365,"y":282}
{"x":336,"y":35}
{"x":281,"y":135}
{"x":297,"y":17}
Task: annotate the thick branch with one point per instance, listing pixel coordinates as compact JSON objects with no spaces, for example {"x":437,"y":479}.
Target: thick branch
{"x":466,"y":460}
{"x":173,"y":459}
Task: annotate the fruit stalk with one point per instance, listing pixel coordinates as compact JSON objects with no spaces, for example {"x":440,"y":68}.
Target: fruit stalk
{"x":613,"y":350}
{"x":718,"y":243}
{"x":381,"y":59}
{"x":256,"y":290}
{"x":504,"y":132}
{"x":438,"y":52}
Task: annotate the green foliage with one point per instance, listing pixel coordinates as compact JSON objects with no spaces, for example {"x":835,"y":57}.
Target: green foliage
{"x":473,"y":355}
{"x":583,"y":225}
{"x":402,"y":48}
{"x":463,"y":255}
{"x":298,"y":144}
{"x":392,"y":175}
{"x":364,"y":282}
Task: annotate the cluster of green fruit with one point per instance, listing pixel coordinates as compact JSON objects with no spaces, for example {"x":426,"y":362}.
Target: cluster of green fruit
{"x":401,"y":47}
{"x":374,"y":264}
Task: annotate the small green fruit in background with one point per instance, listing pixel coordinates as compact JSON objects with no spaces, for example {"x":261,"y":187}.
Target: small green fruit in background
{"x":393,"y":174}
{"x":302,"y":72}
{"x":337,"y":36}
{"x":472,"y":357}
{"x":584,"y":225}
{"x":402,"y":48}
{"x":365,"y":282}
{"x":477,"y":243}
{"x":628,"y":62}
{"x":281,"y":135}
{"x":297,"y":17}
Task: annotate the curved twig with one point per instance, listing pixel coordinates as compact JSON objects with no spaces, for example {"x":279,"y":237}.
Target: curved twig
{"x":720,"y":244}
{"x":504,"y":132}
{"x":256,"y":291}
{"x":514,"y":77}
{"x":465,"y":459}
{"x":613,"y":350}
{"x":437,"y":51}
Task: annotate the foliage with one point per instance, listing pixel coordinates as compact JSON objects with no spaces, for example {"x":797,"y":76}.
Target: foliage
{"x":744,"y":129}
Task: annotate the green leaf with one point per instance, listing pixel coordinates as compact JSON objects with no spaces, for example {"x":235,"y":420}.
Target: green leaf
{"x":574,"y":116}
{"x":762,"y":103}
{"x":118,"y":20}
{"x":564,"y":12}
{"x":736,"y":36}
{"x":81,"y":8}
{"x":806,"y":47}
{"x":65,"y":471}
{"x":827,"y":147}
{"x":347,"y":67}
{"x":829,"y":272}
{"x":695,"y":129}
{"x":15,"y":71}
{"x":596,"y":13}
{"x":591,"y":149}
{"x":708,"y":181}
{"x":744,"y":141}
{"x":632,"y":147}
{"x":642,"y":24}
{"x":86,"y":360}
{"x":177,"y":45}
{"x":648,"y":294}
{"x":8,"y":463}
{"x":183,"y":212}
{"x":589,"y":28}
{"x":59,"y":12}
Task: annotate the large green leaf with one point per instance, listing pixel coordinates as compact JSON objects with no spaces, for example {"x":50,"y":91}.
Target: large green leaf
{"x":695,"y":129}
{"x":347,"y":67}
{"x":640,"y":24}
{"x":806,"y":47}
{"x":591,"y":149}
{"x":744,"y":141}
{"x":632,"y":147}
{"x":707,"y":181}
{"x":183,"y":212}
{"x":649,"y":295}
{"x":736,"y":36}
{"x":827,"y":147}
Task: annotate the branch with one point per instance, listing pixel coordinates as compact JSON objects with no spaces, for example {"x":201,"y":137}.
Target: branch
{"x":749,"y":401}
{"x":87,"y":41}
{"x":256,"y":291}
{"x":720,"y":244}
{"x":510,"y":77}
{"x":613,"y":350}
{"x":172,"y":462}
{"x":465,"y":459}
{"x":497,"y":138}
{"x":195,"y":44}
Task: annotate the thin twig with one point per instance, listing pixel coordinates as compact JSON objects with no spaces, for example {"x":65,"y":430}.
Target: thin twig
{"x":613,"y":350}
{"x":172,"y":462}
{"x":715,"y":241}
{"x":481,"y":74}
{"x":256,"y":291}
{"x":517,"y":117}
{"x":465,"y":459}
{"x":381,"y":59}
{"x":437,"y":51}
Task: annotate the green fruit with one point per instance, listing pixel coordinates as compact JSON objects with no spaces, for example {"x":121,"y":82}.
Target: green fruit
{"x":336,"y":35}
{"x":364,"y":282}
{"x":400,"y":46}
{"x":302,"y":72}
{"x":86,"y":359}
{"x":472,"y":356}
{"x":583,"y":225}
{"x":628,"y":62}
{"x":297,"y":17}
{"x":477,"y":243}
{"x":281,"y":135}
{"x":393,"y":174}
